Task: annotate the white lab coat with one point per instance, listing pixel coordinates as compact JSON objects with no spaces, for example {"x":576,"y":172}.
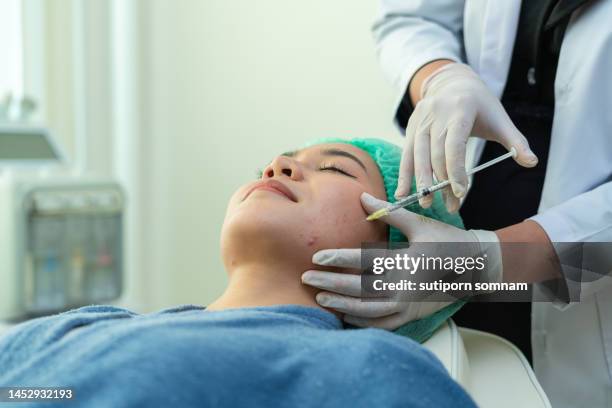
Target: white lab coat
{"x":572,"y":346}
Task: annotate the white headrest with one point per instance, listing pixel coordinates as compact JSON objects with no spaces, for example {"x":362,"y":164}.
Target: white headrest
{"x":492,"y":370}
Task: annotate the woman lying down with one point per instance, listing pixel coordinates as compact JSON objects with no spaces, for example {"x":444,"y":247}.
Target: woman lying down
{"x":265,"y":342}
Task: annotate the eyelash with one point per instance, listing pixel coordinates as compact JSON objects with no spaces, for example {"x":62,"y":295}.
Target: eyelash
{"x":336,"y":169}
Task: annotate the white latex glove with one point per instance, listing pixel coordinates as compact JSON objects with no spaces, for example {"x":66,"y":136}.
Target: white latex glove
{"x":455,"y":104}
{"x":342,"y":291}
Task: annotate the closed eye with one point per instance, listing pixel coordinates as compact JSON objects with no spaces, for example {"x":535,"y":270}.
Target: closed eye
{"x":336,"y":169}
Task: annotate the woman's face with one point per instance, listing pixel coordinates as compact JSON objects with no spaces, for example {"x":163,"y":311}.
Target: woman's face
{"x":306,"y":201}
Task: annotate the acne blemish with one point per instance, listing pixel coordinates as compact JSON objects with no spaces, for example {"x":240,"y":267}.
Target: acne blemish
{"x":311,"y":241}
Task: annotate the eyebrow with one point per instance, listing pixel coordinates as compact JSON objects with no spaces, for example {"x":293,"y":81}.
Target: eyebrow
{"x":338,"y":152}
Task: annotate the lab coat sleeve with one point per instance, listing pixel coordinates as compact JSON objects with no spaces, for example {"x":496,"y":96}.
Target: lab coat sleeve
{"x":581,"y":232}
{"x":411,"y":33}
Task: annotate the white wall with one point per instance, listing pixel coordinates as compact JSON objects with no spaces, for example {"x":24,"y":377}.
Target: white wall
{"x":11,"y":70}
{"x":224,"y":86}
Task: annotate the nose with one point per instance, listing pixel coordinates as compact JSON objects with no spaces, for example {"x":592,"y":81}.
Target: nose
{"x":283,"y":166}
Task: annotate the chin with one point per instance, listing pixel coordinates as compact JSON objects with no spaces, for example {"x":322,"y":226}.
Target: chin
{"x":257,"y":234}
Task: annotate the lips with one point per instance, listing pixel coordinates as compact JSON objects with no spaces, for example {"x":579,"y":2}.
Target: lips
{"x":274,"y":186}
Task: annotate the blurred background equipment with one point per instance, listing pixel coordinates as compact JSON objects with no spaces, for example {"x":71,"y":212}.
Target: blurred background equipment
{"x":160,"y":96}
{"x":62,"y":234}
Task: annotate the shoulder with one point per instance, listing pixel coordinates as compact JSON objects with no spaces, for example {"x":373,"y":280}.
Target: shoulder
{"x":37,"y":335}
{"x":381,"y":345}
{"x":42,"y":331}
{"x":400,"y":368}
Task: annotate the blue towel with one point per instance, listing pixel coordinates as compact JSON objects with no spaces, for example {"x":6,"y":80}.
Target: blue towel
{"x":275,"y":356}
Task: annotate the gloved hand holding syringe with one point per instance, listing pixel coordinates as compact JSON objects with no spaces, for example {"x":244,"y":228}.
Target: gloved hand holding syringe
{"x":413,"y":198}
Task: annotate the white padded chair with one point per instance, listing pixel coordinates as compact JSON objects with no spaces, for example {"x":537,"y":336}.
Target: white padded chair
{"x":492,"y":370}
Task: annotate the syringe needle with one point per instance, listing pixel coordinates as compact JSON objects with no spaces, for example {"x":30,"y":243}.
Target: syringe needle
{"x":429,"y":190}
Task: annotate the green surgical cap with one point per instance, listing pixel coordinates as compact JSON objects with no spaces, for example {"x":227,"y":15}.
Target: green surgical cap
{"x":387,"y":157}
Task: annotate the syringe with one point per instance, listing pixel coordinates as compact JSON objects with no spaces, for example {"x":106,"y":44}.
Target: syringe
{"x":413,"y":198}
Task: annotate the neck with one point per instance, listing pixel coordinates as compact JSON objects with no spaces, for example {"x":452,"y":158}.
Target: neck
{"x":259,"y":284}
